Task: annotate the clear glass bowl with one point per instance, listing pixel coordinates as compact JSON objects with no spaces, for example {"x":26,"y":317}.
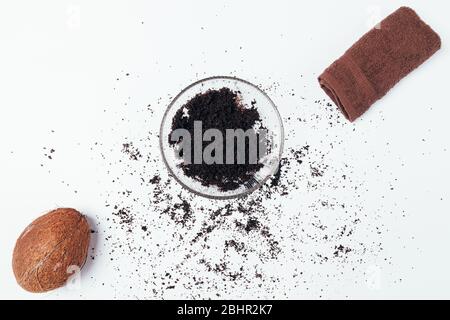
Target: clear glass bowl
{"x":271,"y":120}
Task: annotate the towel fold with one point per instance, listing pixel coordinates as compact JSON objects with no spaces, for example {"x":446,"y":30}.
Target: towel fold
{"x":376,"y":62}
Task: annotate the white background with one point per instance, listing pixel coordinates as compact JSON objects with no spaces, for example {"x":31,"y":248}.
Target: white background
{"x":59,"y":61}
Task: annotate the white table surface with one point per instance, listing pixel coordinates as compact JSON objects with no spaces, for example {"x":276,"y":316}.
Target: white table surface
{"x":59,"y":61}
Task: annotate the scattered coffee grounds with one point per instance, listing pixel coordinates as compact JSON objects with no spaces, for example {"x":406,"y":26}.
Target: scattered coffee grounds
{"x":221,"y":110}
{"x":314,"y":223}
{"x":380,"y":59}
{"x":131,"y":151}
{"x":180,"y":212}
{"x":49,"y":153}
{"x":125,"y":218}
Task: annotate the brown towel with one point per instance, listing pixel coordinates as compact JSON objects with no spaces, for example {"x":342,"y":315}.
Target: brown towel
{"x":380,"y":59}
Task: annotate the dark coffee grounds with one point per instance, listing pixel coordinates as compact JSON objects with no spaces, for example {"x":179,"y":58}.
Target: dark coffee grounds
{"x":221,"y":110}
{"x":266,"y":245}
{"x":131,"y":151}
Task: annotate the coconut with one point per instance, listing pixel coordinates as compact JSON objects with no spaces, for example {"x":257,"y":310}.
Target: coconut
{"x":50,"y":249}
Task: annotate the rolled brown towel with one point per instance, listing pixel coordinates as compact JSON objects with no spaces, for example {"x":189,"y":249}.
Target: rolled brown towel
{"x":380,"y":59}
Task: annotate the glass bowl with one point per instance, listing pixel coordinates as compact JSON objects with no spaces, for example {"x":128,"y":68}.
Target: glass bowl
{"x":270,"y":119}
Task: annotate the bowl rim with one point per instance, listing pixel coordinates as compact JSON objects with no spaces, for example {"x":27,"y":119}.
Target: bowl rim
{"x":169,"y":107}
